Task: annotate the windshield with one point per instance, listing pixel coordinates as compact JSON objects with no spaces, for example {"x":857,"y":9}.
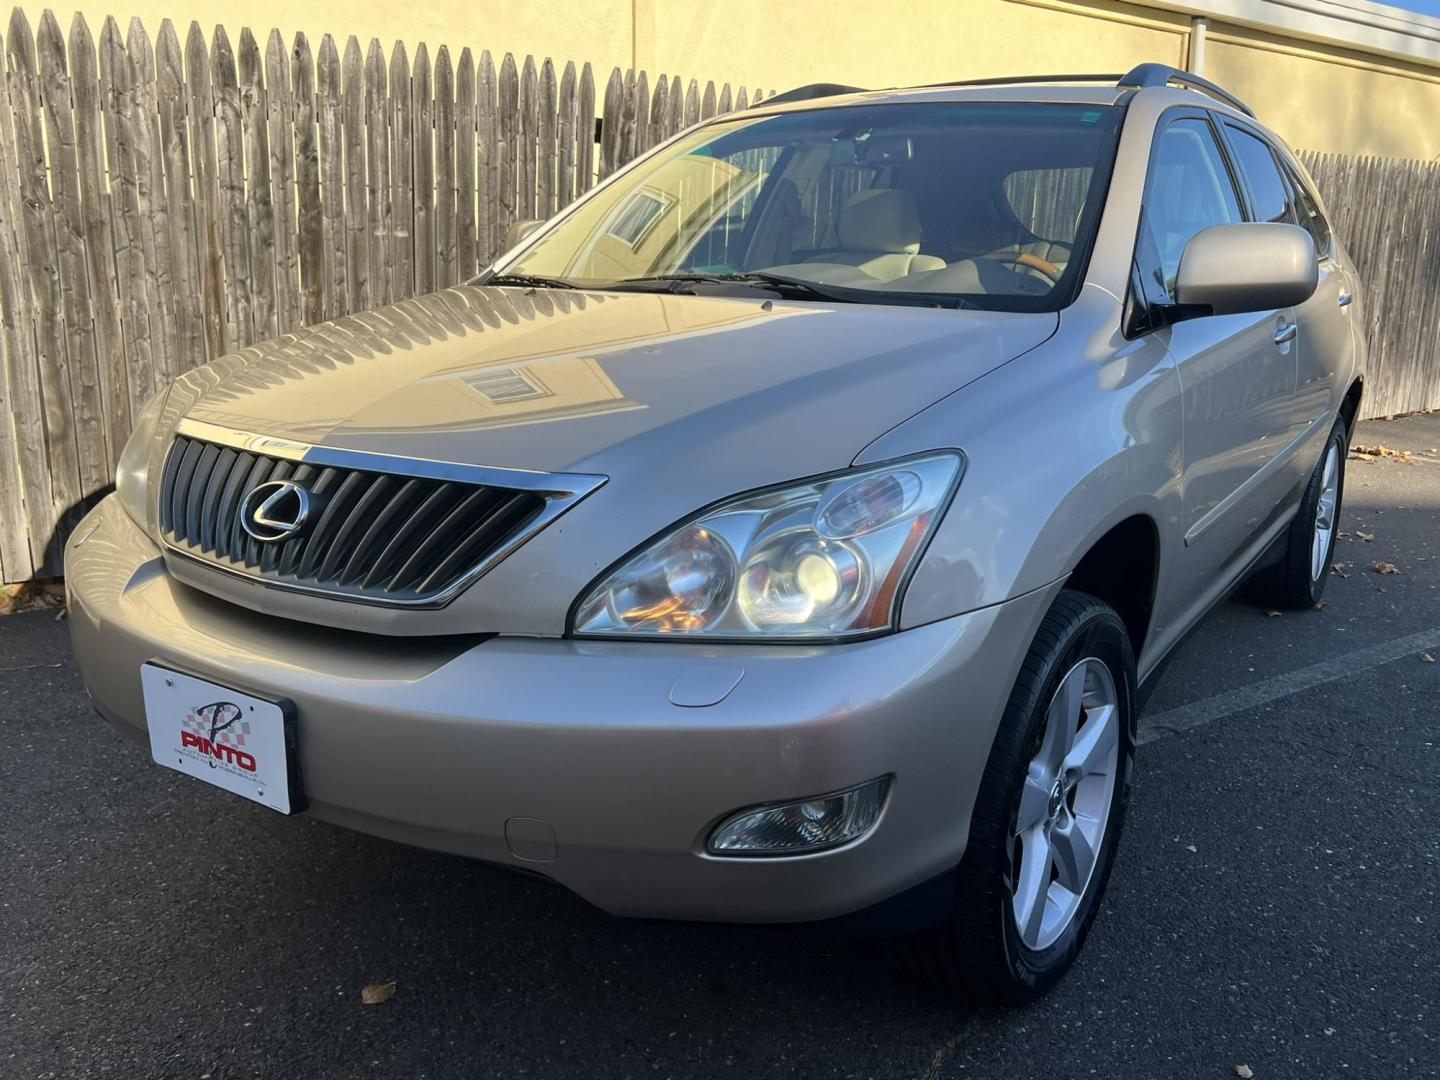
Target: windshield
{"x":990,"y":204}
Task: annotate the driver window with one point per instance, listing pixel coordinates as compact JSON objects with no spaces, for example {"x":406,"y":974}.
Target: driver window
{"x":1189,"y":189}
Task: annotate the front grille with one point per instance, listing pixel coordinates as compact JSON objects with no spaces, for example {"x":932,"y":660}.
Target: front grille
{"x":372,"y":535}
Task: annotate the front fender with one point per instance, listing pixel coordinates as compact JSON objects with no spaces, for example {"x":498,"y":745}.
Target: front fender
{"x":1062,"y":443}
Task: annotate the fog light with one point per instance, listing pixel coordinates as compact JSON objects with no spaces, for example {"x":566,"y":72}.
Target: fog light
{"x":825,"y":821}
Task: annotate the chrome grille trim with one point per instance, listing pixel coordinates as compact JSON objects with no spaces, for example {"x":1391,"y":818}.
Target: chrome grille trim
{"x":392,"y":531}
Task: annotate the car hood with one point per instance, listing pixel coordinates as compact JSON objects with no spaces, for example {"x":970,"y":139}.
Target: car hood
{"x":613,"y":384}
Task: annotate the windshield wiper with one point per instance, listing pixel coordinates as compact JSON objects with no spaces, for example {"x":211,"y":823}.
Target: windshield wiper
{"x":797,"y":288}
{"x":531,"y":281}
{"x":794,"y":288}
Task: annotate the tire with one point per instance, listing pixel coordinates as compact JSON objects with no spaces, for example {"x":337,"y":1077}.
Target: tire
{"x":1296,"y":580}
{"x":981,"y":952}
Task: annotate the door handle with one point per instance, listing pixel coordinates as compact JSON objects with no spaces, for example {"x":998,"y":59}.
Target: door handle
{"x":1344,"y":299}
{"x":1285,"y":333}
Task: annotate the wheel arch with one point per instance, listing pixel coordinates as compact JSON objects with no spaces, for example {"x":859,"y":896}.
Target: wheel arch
{"x":1122,"y":568}
{"x":1350,"y":404}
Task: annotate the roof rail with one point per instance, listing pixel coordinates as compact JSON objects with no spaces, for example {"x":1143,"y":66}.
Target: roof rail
{"x":807,"y":93}
{"x":1147,"y":75}
{"x":1021,"y":80}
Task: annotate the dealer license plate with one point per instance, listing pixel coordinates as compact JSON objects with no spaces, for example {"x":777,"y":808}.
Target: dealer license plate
{"x":235,"y":741}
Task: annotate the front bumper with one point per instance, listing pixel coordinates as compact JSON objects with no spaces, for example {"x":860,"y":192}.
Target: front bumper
{"x":569,"y":757}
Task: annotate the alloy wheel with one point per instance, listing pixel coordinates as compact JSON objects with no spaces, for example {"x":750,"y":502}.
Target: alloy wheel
{"x":1065,"y":804}
{"x":1325,"y":512}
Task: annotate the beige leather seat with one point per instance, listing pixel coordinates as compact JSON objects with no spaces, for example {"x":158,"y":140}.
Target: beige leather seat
{"x":879,"y":233}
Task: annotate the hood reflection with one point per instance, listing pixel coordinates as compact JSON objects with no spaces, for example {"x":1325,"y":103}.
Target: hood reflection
{"x":468,"y":358}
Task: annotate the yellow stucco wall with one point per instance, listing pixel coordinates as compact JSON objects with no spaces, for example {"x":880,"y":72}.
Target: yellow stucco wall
{"x":914,"y":41}
{"x":1319,"y":97}
{"x":594,"y":30}
{"x":1331,"y":99}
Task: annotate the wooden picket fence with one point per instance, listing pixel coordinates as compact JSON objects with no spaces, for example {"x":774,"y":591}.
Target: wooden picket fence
{"x":1387,"y":212}
{"x":163,"y":204}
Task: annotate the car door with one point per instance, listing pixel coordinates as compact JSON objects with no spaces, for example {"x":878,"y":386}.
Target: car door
{"x":1323,"y":328}
{"x":1327,"y":340}
{"x":1237,"y":372}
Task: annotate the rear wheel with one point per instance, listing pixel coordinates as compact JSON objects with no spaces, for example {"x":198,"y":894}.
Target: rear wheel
{"x":1047,"y":817}
{"x":1297,"y":579}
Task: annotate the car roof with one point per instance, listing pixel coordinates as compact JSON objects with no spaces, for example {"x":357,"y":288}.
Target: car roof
{"x":1079,"y":95}
{"x":1151,"y":80}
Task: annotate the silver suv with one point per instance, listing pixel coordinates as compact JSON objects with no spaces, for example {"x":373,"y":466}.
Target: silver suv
{"x":786,"y":532}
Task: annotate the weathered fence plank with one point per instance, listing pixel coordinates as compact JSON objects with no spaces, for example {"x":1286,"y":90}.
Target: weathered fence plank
{"x":259,"y":196}
{"x":24,"y":477}
{"x":97,"y":279}
{"x":153,"y":204}
{"x":357,"y":248}
{"x":445,"y":255}
{"x":335,"y":294}
{"x":487,"y":160}
{"x":280,"y":121}
{"x":402,"y":173}
{"x":565,"y":138}
{"x":55,"y":417}
{"x":467,"y":254}
{"x":230,"y":178}
{"x":200,"y":114}
{"x":422,"y":119}
{"x":133,"y":283}
{"x":546,"y":105}
{"x":506,"y":142}
{"x":377,"y":108}
{"x":309,"y":210}
{"x":173,"y":103}
{"x":610,"y":122}
{"x":585,"y":133}
{"x":81,"y":368}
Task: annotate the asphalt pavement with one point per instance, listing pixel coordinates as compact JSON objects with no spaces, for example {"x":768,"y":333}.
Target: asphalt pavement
{"x":1275,"y":904}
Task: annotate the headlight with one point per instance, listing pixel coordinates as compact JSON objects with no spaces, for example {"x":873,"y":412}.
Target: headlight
{"x":822,"y":559}
{"x":132,"y":474}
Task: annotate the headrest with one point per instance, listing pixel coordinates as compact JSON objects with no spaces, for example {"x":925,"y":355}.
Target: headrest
{"x":882,"y":219}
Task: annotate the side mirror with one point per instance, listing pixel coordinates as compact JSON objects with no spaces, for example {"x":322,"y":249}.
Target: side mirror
{"x":516,"y":234}
{"x":1256,"y":266}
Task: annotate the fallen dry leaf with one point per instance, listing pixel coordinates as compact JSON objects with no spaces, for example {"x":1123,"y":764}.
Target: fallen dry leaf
{"x":1386,"y":568}
{"x":30,"y":596}
{"x":377,"y":993}
{"x":1272,"y":614}
{"x":1372,"y":453}
{"x":1244,"y":1072}
{"x":1191,"y":848}
{"x":1426,"y":658}
{"x":1367,"y":537}
{"x":1338,"y":569}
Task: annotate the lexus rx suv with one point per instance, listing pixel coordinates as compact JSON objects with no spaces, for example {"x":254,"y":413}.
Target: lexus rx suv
{"x":788,"y":531}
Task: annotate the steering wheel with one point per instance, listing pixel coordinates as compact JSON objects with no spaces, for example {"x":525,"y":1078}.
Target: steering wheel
{"x":1044,"y":267}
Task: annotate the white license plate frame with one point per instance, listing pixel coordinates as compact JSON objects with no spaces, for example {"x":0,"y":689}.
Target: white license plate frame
{"x":232,"y":740}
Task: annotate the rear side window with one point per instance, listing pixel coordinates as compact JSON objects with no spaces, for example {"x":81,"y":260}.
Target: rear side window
{"x":1309,"y":209}
{"x":1271,"y":196}
{"x":1189,"y":189}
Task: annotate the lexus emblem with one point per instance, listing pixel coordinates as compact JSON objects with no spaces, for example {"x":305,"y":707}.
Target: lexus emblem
{"x":275,"y":511}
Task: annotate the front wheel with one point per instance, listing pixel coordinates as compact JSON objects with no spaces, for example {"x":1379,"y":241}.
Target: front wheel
{"x":1047,"y":817}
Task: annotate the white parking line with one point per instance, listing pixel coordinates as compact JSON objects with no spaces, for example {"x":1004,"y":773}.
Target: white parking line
{"x":1199,"y":713}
